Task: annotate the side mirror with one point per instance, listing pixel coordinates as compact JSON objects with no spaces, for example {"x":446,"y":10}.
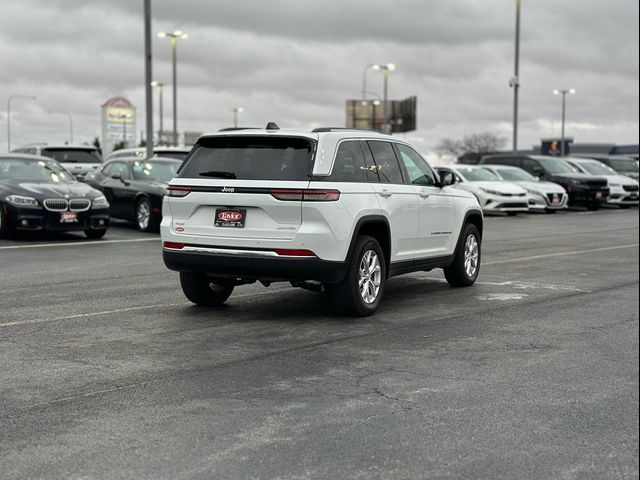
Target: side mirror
{"x":116,"y":176}
{"x":447,"y":179}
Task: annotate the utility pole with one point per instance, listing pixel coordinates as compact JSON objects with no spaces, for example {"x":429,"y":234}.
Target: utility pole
{"x":148,"y":75}
{"x":515,"y":81}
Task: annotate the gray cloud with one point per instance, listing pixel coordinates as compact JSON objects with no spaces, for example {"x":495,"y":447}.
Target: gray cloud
{"x":296,"y":62}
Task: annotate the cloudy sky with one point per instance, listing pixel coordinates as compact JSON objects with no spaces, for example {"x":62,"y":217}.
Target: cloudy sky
{"x":296,"y":61}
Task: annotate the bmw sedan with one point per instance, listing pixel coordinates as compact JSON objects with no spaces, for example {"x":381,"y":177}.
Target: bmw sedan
{"x":36,"y":193}
{"x":135,"y":188}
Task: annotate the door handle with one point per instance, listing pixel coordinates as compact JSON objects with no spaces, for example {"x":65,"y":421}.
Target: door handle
{"x":424,"y":194}
{"x":385,"y":193}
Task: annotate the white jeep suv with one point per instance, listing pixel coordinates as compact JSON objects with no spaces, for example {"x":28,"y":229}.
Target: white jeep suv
{"x":331,"y":210}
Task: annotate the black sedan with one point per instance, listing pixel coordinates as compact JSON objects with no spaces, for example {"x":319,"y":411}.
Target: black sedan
{"x":135,"y":188}
{"x":36,"y":193}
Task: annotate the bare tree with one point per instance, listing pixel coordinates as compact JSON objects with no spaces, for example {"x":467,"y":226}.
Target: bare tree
{"x":477,"y":143}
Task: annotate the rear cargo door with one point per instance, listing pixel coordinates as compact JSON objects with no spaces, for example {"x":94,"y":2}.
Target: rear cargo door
{"x":242,"y":187}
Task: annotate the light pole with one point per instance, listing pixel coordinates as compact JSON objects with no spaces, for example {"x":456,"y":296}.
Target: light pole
{"x":515,"y":81}
{"x":124,"y":117}
{"x":148,"y":75}
{"x":386,"y":70}
{"x":28,"y":97}
{"x":70,"y":124}
{"x":372,"y":66}
{"x":160,"y":87}
{"x":564,"y":93}
{"x":174,"y":36}
{"x":236,"y":111}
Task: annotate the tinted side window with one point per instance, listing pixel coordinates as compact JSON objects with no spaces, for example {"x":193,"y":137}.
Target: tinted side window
{"x":531,"y":166}
{"x":349,"y":165}
{"x":116,"y":168}
{"x":386,"y":161}
{"x":418,"y":170}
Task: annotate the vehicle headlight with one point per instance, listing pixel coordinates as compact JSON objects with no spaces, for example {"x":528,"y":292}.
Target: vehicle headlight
{"x":575,"y":181}
{"x":21,"y":201}
{"x":100,"y":202}
{"x":489,"y":191}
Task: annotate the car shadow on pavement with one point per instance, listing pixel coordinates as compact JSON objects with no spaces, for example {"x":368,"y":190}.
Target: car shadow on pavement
{"x":294,"y":305}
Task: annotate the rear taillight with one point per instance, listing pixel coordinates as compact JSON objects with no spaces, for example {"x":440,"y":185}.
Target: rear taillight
{"x":306,"y":195}
{"x":173,"y":245}
{"x":176,"y":191}
{"x":286,"y":252}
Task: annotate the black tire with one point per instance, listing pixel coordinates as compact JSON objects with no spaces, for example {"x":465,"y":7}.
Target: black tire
{"x":456,"y":273}
{"x":202,"y":290}
{"x":346,"y":294}
{"x":624,"y":207}
{"x":551,"y":211}
{"x":91,"y":233}
{"x":151,"y":224}
{"x":512,"y":214}
{"x":5,"y":231}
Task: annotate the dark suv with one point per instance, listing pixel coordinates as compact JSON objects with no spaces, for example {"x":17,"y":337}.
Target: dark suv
{"x":583,"y":189}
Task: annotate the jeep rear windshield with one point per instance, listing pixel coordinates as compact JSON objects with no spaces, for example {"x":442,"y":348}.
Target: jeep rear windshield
{"x":250,"y":158}
{"x":68,"y":155}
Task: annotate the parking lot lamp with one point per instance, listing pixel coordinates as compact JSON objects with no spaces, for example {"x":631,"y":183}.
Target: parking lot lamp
{"x":12,"y":97}
{"x":372,"y":66}
{"x":124,"y":117}
{"x":386,"y":70}
{"x":174,"y":36}
{"x":564,"y":93}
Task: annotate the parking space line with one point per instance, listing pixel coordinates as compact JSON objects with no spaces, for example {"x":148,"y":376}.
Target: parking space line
{"x":80,"y":244}
{"x":127,"y":309}
{"x":560,"y":254}
{"x":165,"y":305}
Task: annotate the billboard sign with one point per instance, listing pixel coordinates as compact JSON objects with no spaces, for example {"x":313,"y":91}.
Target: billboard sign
{"x":369,"y":114}
{"x":118,"y":124}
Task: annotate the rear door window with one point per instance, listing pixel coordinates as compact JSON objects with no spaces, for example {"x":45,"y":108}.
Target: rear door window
{"x":251,"y":158}
{"x":349,"y":165}
{"x":386,"y":162}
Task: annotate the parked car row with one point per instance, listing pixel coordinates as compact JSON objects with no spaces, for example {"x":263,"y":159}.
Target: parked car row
{"x":547,"y":183}
{"x":132,"y":188}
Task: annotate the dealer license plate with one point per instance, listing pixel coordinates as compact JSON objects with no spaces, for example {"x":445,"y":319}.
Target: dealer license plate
{"x":68,"y":217}
{"x":230,"y":217}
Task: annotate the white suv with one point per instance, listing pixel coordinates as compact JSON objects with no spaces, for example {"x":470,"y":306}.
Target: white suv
{"x":331,"y":210}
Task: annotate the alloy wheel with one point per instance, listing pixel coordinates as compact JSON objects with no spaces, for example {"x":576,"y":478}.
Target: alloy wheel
{"x":471,"y":255}
{"x":369,"y":277}
{"x":143,"y":215}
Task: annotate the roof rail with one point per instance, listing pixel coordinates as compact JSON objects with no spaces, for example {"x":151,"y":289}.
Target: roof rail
{"x":334,"y":129}
{"x":233,"y":129}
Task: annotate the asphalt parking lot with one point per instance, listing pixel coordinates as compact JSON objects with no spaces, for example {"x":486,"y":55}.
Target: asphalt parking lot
{"x":532,"y":373}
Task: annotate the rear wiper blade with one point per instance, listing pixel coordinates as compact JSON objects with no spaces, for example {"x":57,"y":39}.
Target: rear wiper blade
{"x":217,"y":174}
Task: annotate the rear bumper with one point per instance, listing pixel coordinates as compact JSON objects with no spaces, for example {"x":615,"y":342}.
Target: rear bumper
{"x":254,"y":266}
